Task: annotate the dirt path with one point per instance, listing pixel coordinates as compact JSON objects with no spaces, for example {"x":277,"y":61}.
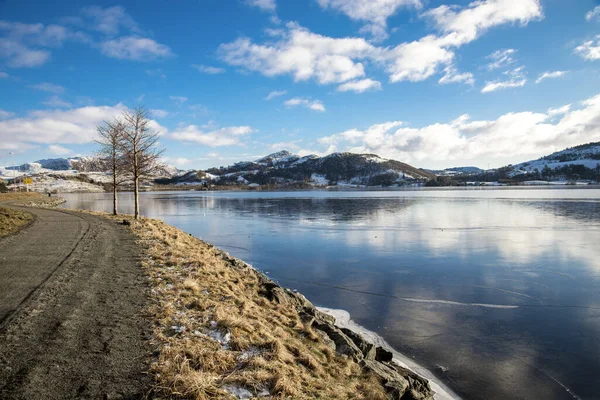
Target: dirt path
{"x":71,"y":304}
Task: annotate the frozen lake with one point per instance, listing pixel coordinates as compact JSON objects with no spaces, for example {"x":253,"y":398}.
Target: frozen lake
{"x":496,"y":291}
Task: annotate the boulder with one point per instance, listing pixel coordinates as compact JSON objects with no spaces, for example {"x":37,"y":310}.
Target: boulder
{"x":343,"y":344}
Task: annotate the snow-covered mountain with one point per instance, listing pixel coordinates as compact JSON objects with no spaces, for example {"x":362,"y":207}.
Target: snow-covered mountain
{"x":283,"y":169}
{"x":88,"y":174}
{"x":79,"y":164}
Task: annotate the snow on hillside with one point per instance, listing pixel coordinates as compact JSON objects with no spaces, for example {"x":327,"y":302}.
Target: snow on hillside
{"x":304,"y":159}
{"x":319,"y":180}
{"x":286,"y":169}
{"x":458,"y":171}
{"x":281,"y":157}
{"x":587,"y":155}
{"x":77,"y":174}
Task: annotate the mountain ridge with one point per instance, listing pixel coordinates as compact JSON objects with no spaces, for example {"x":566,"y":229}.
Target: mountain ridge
{"x":284,"y":168}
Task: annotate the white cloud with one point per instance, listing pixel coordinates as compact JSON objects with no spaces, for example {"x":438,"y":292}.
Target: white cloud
{"x":275,"y":93}
{"x":301,"y":53}
{"x":57,"y":102}
{"x":178,"y":99}
{"x":465,"y":25}
{"x":501,"y":59}
{"x":37,"y":34}
{"x":306,"y":55}
{"x":418,"y":60}
{"x":589,"y":50}
{"x":179,"y":162}
{"x":48,"y":87}
{"x":550,"y":75}
{"x":156,"y":72}
{"x":360,"y":86}
{"x":75,"y":126}
{"x":265,"y":5}
{"x":374,"y":12}
{"x":228,"y":136}
{"x":3,"y":75}
{"x":315,"y":105}
{"x":552,"y":112}
{"x":516,"y":134}
{"x":516,"y":78}
{"x":199,"y":109}
{"x":25,"y":45}
{"x":451,"y":75}
{"x":593,"y":14}
{"x":135,"y":49}
{"x":18,"y":55}
{"x":110,"y":20}
{"x":159,"y":113}
{"x":5,"y":114}
{"x":207,"y":69}
{"x":59,"y":150}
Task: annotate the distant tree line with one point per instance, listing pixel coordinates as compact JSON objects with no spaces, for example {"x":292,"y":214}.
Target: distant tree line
{"x":130,"y":146}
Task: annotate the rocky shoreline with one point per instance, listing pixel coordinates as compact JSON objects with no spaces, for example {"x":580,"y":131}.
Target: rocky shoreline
{"x":399,"y":382}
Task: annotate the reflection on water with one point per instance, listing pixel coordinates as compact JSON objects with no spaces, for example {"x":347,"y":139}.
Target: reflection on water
{"x":496,"y":291}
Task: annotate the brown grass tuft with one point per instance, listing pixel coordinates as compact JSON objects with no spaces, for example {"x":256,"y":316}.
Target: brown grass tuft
{"x":12,"y":220}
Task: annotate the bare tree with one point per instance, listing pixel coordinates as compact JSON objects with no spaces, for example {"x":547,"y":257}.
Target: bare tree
{"x":110,"y":135}
{"x":140,"y":148}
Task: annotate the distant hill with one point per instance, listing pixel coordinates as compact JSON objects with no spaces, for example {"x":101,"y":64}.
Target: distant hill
{"x":456,"y":171}
{"x":586,"y":155}
{"x":579,"y":163}
{"x":283,"y":169}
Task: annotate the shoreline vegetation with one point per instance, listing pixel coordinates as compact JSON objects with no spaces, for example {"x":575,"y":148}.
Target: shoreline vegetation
{"x":222,"y":329}
{"x":225,"y":330}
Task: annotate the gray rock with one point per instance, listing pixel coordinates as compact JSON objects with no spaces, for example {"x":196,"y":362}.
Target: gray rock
{"x":343,"y":344}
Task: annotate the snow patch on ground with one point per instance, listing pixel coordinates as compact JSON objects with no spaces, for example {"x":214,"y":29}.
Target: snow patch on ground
{"x":319,"y":180}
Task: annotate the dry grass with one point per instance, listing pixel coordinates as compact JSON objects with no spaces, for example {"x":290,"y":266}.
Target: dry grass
{"x":215,"y":331}
{"x":32,"y":199}
{"x":12,"y":220}
{"x":20,"y":196}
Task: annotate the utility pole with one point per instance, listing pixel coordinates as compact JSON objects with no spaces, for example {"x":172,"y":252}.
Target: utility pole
{"x":12,"y":158}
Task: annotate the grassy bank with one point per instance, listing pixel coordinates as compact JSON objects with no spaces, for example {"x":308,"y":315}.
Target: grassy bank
{"x":12,"y":220}
{"x":219,"y":335}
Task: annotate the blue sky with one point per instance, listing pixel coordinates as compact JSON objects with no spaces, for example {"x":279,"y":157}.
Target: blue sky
{"x":429,"y":82}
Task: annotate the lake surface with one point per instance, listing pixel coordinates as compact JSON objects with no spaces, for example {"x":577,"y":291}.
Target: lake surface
{"x":496,"y":291}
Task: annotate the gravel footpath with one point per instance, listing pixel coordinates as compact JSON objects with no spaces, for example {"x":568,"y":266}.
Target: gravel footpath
{"x":72,"y":301}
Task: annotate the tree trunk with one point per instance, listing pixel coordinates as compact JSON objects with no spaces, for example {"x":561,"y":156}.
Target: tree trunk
{"x":114,"y":199}
{"x":136,"y":196}
{"x":114,"y":190}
